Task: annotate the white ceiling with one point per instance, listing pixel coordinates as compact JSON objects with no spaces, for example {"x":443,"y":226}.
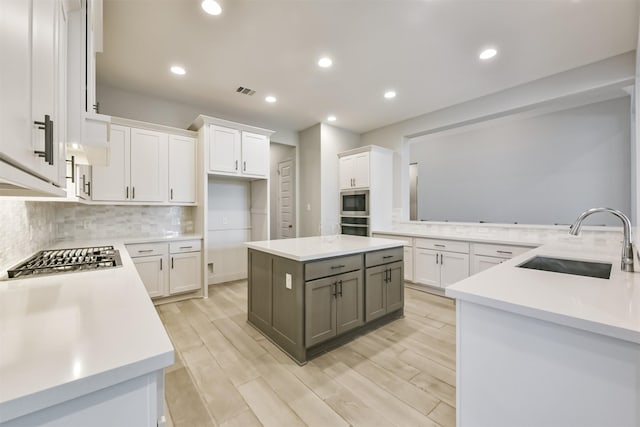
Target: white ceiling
{"x":426,"y":50}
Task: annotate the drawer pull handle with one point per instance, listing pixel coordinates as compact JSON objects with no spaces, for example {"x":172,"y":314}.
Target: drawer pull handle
{"x":186,"y":247}
{"x":335,"y":267}
{"x":387,"y":256}
{"x":505,"y":252}
{"x":439,"y":246}
{"x":145,"y":250}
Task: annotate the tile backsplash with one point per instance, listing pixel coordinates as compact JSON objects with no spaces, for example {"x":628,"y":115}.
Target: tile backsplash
{"x":25,"y":227}
{"x":79,"y":222}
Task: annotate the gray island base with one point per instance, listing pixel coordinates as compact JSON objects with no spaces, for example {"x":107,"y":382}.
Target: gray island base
{"x":310,"y":295}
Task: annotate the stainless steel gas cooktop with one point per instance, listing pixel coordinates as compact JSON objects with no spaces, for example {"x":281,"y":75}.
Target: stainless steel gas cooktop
{"x":54,"y":261}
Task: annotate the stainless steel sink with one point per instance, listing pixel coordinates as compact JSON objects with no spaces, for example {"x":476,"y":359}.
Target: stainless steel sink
{"x":598,"y":270}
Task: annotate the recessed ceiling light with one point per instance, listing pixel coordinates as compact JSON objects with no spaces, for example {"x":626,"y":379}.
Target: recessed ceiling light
{"x":389,"y":94}
{"x":271,"y":99}
{"x":331,"y":118}
{"x":176,"y":69}
{"x":488,"y":53}
{"x":212,"y":7}
{"x":325,"y":62}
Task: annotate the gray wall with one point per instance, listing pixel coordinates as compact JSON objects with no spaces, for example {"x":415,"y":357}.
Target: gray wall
{"x":538,"y":170}
{"x":592,"y":79}
{"x":309,"y":183}
{"x":319,"y":188}
{"x":137,"y":106}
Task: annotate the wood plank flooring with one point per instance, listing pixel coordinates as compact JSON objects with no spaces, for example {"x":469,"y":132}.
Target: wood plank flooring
{"x":227,"y":374}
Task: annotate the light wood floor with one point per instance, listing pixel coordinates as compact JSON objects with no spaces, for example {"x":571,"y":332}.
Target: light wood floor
{"x":227,"y":374}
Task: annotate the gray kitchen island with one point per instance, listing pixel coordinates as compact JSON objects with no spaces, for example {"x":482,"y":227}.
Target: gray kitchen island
{"x":311,"y":294}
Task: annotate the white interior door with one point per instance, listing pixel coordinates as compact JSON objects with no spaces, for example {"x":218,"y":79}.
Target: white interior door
{"x":286,"y":200}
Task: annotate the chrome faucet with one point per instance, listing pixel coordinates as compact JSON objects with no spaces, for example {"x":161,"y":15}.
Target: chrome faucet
{"x":627,"y":247}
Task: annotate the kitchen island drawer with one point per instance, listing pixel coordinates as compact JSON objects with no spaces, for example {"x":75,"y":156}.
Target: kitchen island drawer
{"x":185,"y":246}
{"x":384,"y":256}
{"x":333,"y":266}
{"x":501,"y":251}
{"x":443,"y":245}
{"x":146,"y":249}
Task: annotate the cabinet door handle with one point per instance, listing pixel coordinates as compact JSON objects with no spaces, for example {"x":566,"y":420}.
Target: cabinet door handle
{"x":160,"y":264}
{"x":244,"y":166}
{"x":127,"y":192}
{"x":387,"y":256}
{"x":186,"y":247}
{"x":88,"y":189}
{"x":441,"y":260}
{"x":505,"y":252}
{"x":439,"y":246}
{"x":437,"y":258}
{"x":340,"y":282}
{"x":334,"y":292}
{"x":142,"y":251}
{"x":335,"y":267}
{"x":236,"y":165}
{"x":47,"y":126}
{"x":172,"y":263}
{"x":171,"y":195}
{"x":133,"y":193}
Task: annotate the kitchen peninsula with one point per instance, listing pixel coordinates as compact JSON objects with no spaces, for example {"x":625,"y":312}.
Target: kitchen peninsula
{"x":311,"y":294}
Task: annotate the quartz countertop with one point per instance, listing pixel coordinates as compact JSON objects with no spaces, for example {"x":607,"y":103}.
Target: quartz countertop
{"x":609,"y":307}
{"x":66,"y":335}
{"x":319,"y":247}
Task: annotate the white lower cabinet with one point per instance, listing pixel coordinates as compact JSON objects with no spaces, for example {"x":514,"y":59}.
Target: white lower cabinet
{"x":168,"y":268}
{"x":186,"y":272}
{"x":408,"y":263}
{"x":487,"y":255}
{"x":434,"y":265}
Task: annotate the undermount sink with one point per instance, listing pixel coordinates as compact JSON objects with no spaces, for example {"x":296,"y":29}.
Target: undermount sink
{"x":598,"y":270}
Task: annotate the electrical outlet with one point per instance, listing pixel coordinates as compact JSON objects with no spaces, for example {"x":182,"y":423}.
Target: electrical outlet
{"x":287,"y":280}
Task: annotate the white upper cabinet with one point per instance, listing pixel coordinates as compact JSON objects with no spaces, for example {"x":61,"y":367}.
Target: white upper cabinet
{"x":235,"y":152}
{"x":33,"y":48}
{"x":111,"y":183}
{"x":354,"y":171}
{"x":146,"y":166}
{"x":149,"y":165}
{"x":224,"y":150}
{"x":182,"y":169}
{"x":255,"y":154}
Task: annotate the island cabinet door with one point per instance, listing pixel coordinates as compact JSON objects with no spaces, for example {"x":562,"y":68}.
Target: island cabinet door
{"x":375,"y":293}
{"x":320,"y":311}
{"x":395,"y":286}
{"x":349,"y":301}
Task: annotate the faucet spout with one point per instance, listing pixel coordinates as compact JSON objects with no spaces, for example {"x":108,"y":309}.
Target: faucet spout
{"x":627,"y":247}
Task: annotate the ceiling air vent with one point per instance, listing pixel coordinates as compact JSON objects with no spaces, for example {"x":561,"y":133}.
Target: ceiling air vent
{"x":245,"y":90}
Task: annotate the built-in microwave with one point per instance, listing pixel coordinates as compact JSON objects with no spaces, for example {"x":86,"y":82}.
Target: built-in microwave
{"x":354,"y":203}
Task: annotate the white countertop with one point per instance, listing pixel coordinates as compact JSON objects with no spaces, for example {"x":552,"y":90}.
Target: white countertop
{"x":66,"y":335}
{"x":608,"y":307}
{"x":318,"y":247}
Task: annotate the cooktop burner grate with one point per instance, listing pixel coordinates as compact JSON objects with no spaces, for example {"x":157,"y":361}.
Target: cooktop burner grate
{"x":54,"y":261}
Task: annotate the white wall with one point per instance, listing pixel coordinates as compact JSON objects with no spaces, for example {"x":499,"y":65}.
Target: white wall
{"x":137,"y":106}
{"x":596,"y":80}
{"x":537,"y":170}
{"x":309,"y":182}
